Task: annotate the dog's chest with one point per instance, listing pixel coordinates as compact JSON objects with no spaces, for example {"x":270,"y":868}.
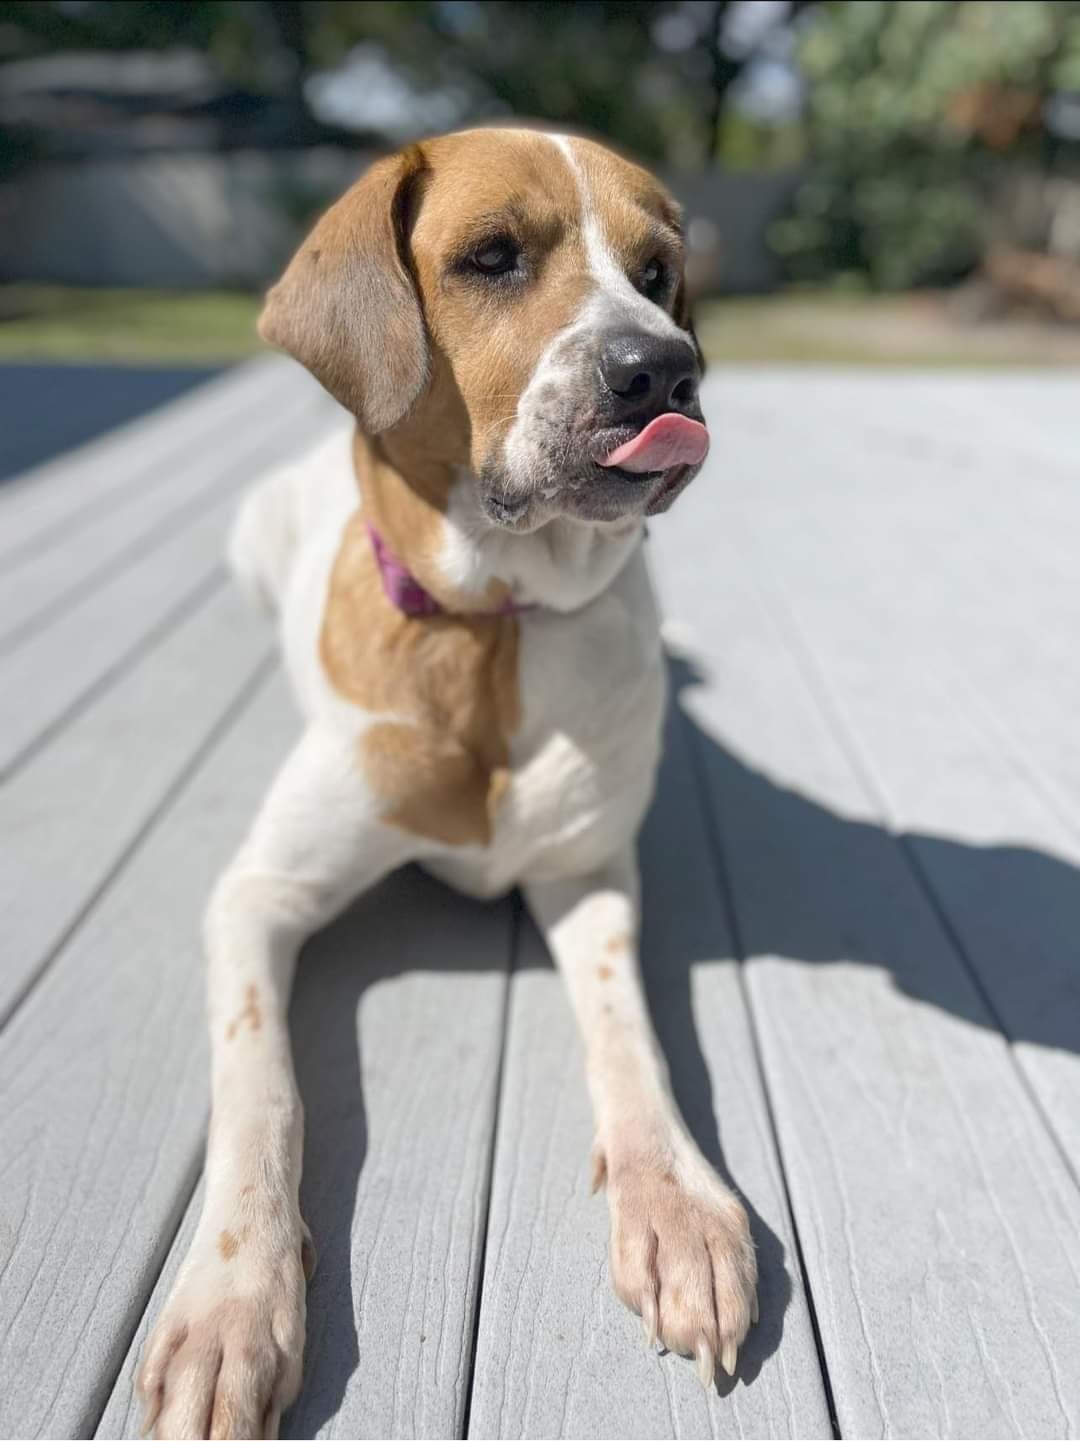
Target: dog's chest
{"x":583,"y":759}
{"x":580,"y":756}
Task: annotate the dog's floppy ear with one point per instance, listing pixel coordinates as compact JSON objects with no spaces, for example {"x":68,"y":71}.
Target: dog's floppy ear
{"x":347,"y":308}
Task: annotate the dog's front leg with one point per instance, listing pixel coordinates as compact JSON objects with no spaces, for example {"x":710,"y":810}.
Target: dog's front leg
{"x":225,"y":1357}
{"x":681,"y":1253}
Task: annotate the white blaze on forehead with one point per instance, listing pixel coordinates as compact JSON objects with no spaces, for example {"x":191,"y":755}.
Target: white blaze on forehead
{"x":614,"y":285}
{"x":534,"y":450}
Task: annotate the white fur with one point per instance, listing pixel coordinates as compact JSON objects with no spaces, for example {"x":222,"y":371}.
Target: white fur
{"x":616,"y":297}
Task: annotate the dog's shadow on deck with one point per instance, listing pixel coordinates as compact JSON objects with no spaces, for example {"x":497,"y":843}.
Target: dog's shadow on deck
{"x":808,"y":867}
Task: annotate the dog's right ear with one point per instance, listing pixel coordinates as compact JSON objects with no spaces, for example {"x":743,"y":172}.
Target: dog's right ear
{"x":347,"y":308}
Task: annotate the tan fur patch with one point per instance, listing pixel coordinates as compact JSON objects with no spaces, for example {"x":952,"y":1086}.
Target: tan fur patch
{"x":490,"y":338}
{"x":617,"y":944}
{"x":604,"y":972}
{"x":442,"y":769}
{"x":251,"y":1014}
{"x":228,"y":1245}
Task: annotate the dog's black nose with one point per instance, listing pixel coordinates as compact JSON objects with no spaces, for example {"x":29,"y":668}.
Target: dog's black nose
{"x":646,"y":372}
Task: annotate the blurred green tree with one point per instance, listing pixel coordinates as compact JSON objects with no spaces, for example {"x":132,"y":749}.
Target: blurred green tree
{"x":654,"y":75}
{"x":914,"y":113}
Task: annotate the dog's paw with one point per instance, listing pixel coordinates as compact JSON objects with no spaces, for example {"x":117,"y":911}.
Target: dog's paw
{"x":682,"y":1257}
{"x":225,"y":1356}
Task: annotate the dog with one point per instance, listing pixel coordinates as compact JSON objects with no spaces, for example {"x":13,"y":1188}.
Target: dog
{"x":468,"y":621}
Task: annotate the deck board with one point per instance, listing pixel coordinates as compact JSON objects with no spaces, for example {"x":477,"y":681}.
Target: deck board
{"x":121,"y":758}
{"x":43,"y":582}
{"x":558,"y":1356}
{"x":50,"y":674}
{"x":862,"y":911}
{"x":104,"y":1071}
{"x":54,"y":500}
{"x":936,"y":1213}
{"x":964,"y":727}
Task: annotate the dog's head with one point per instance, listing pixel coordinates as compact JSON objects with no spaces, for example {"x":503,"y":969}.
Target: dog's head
{"x":513,"y":302}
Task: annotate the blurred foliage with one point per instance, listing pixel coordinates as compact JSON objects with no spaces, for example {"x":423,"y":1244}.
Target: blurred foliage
{"x":650,"y":74}
{"x":911,"y":111}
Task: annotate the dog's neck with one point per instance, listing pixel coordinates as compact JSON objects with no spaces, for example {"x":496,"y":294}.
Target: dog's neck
{"x":427,"y":512}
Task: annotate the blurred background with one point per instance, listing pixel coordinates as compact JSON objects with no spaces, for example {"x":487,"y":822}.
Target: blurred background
{"x":868,"y":182}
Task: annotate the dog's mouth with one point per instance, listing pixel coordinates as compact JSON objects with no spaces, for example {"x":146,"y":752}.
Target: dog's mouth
{"x":654,"y":461}
{"x":620,"y":469}
{"x":633,"y":477}
{"x":667,"y":442}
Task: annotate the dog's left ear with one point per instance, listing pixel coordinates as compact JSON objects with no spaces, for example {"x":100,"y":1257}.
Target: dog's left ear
{"x":347,"y":308}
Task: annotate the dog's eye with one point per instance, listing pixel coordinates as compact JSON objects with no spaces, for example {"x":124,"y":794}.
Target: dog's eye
{"x":653,"y":278}
{"x":495,"y":257}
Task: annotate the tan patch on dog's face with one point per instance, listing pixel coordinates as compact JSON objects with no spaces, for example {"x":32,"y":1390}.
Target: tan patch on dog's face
{"x":484,"y":186}
{"x":481,"y":187}
{"x":441,"y":771}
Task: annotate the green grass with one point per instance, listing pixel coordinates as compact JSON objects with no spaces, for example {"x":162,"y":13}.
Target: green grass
{"x":840,"y":328}
{"x":142,"y":327}
{"x":138,"y":327}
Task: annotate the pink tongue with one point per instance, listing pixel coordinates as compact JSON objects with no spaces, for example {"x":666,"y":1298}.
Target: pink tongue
{"x":666,"y":441}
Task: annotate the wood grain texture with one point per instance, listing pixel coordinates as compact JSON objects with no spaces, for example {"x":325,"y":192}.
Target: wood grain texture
{"x":399,"y":1093}
{"x":122,"y":1416}
{"x":875,"y":583}
{"x":963,"y":724}
{"x":397,"y":1024}
{"x":104,"y":1076}
{"x":938,"y":1221}
{"x":47,"y":676}
{"x":557,"y":1354}
{"x":49,"y":504}
{"x":45,"y":582}
{"x":73,"y":812}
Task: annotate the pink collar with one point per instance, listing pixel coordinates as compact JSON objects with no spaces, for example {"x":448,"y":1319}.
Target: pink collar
{"x":405,"y":592}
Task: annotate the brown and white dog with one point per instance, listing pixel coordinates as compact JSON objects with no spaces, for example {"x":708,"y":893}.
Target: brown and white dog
{"x":467,"y":618}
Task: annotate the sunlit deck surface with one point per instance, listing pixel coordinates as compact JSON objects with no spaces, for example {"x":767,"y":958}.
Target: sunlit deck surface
{"x":862,"y":943}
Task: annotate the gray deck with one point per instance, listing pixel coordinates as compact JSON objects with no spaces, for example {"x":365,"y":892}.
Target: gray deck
{"x":862,"y":944}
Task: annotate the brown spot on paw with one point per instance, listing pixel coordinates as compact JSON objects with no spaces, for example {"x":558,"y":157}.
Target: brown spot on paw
{"x":604,"y":972}
{"x":619,"y":943}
